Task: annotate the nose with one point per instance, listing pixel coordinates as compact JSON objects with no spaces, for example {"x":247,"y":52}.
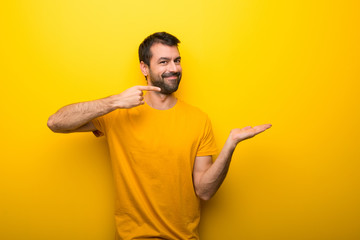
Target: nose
{"x":172,"y":67}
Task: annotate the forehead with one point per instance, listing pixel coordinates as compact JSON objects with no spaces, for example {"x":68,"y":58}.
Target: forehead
{"x":159,"y":50}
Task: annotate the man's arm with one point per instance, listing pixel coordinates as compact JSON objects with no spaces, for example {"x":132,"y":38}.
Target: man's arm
{"x":208,"y":176}
{"x":77,"y":117}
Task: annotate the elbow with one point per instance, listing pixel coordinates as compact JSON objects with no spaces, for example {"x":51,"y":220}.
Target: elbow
{"x":203,"y":191}
{"x":52,"y":125}
{"x":205,"y":196}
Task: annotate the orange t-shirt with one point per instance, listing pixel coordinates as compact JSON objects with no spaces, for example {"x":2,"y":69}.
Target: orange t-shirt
{"x":152,"y":153}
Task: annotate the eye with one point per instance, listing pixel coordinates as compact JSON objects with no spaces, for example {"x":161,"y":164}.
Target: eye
{"x":163,"y":62}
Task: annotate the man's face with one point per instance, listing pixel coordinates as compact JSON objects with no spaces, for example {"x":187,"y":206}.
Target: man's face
{"x":165,"y":68}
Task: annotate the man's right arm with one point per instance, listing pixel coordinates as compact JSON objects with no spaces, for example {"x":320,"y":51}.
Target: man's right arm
{"x":77,"y":117}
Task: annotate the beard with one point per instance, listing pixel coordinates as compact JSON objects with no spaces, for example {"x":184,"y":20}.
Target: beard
{"x":166,"y":88}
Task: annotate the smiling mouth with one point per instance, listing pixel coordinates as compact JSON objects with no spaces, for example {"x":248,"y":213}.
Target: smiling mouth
{"x":171,"y":75}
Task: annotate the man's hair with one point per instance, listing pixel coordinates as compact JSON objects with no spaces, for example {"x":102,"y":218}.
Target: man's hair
{"x":158,"y":37}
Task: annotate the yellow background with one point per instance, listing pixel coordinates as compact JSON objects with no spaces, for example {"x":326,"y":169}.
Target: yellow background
{"x":294,"y":64}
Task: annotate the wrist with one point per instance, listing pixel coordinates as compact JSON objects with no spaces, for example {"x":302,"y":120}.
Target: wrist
{"x":111,"y":104}
{"x":231,"y":141}
{"x":115,"y":103}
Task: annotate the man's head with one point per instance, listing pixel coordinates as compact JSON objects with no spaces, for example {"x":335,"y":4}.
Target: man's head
{"x":160,"y":61}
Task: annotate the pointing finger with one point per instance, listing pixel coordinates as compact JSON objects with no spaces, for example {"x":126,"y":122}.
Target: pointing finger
{"x":149,"y":88}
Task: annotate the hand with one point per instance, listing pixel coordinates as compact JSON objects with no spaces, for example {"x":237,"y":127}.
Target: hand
{"x":237,"y":135}
{"x":132,"y":97}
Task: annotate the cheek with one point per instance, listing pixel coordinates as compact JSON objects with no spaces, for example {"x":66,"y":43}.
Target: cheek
{"x":156,"y":71}
{"x":162,"y":70}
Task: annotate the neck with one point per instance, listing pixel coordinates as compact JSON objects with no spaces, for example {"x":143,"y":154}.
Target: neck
{"x":160,"y":101}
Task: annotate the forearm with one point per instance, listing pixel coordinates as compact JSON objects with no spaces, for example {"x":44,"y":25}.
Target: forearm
{"x":76,"y":115}
{"x":210,"y":179}
{"x":214,"y":176}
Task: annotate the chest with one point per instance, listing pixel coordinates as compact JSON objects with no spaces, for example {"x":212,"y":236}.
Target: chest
{"x":170,"y":133}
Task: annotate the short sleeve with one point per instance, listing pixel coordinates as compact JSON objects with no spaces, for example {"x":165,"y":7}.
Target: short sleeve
{"x":103,"y":123}
{"x":207,"y":144}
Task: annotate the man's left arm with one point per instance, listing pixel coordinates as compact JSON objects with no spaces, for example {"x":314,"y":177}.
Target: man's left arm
{"x":208,"y":176}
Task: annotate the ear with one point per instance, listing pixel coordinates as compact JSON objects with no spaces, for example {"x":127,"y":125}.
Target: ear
{"x":144,"y":68}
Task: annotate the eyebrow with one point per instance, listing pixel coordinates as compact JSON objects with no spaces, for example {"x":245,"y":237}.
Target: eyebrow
{"x":165,"y":58}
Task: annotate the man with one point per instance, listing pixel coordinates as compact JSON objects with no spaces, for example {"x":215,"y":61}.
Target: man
{"x":161,"y":148}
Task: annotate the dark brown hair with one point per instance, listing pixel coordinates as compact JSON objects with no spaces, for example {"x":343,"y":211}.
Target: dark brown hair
{"x":158,"y":37}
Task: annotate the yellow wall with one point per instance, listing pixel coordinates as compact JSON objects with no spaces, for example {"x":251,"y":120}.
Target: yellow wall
{"x":294,"y":64}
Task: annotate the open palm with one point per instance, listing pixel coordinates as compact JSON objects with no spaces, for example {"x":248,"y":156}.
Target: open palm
{"x":240,"y":134}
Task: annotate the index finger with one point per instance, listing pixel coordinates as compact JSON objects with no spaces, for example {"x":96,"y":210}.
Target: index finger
{"x":149,"y":88}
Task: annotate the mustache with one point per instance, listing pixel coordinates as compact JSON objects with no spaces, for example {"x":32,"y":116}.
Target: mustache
{"x":170,"y":74}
